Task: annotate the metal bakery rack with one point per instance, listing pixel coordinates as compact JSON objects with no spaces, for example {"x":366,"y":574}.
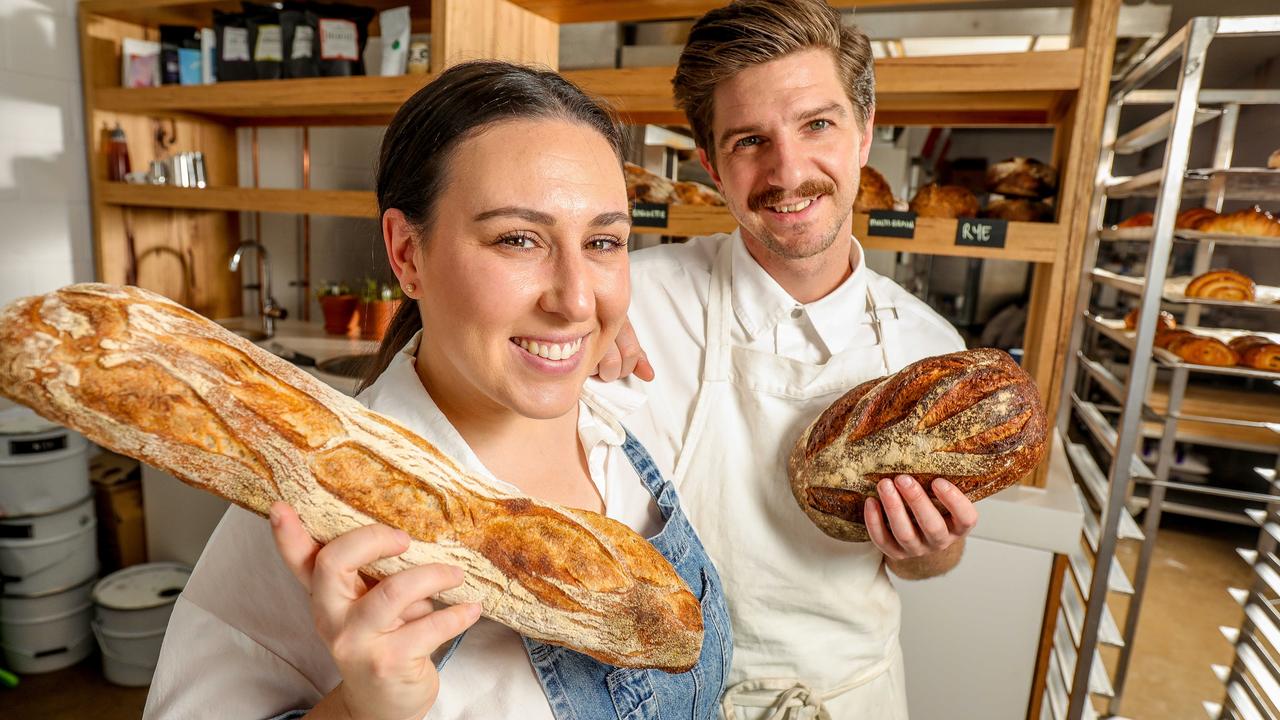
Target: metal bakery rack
{"x":1113,"y":406}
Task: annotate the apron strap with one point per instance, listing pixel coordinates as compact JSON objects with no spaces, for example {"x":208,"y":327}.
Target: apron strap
{"x":715,"y":360}
{"x":787,"y":698}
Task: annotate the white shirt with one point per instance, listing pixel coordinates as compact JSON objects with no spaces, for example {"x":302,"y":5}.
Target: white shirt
{"x":669,"y":288}
{"x":241,"y":642}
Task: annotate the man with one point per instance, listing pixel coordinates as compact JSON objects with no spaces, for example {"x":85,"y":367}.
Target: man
{"x":754,"y":334}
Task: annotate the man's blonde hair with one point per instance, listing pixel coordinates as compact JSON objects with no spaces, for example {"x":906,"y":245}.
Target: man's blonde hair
{"x":745,"y":33}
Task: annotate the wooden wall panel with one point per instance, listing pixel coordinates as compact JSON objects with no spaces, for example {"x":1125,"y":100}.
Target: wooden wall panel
{"x":491,"y":29}
{"x":180,"y":254}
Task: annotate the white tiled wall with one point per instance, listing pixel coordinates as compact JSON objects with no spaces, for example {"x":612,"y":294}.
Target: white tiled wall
{"x":44,"y":211}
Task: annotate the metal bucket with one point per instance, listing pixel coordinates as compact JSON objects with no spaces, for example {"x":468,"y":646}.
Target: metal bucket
{"x":46,"y":632}
{"x":131,"y":613}
{"x":43,"y":466}
{"x":42,"y":553}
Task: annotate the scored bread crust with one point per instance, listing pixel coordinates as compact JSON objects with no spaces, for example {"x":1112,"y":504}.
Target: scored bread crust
{"x":148,"y":378}
{"x":972,"y":417}
{"x":944,"y":201}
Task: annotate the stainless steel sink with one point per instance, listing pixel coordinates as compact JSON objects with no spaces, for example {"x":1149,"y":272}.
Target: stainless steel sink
{"x":351,"y":366}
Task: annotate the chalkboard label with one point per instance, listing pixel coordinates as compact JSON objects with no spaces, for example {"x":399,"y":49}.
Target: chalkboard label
{"x":35,"y":447}
{"x":649,"y":215}
{"x":981,"y":233}
{"x":891,"y":223}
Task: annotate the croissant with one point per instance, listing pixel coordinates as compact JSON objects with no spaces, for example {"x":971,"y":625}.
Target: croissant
{"x":1250,"y":221}
{"x":1202,"y":350}
{"x":1257,"y":352}
{"x":1222,"y":284}
{"x":1142,"y":219}
{"x":1164,"y":338}
{"x":944,"y":201}
{"x":1164,"y":321}
{"x":1195,"y":218}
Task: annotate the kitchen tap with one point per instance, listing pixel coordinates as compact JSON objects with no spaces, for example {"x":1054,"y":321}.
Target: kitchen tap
{"x":271,"y":310}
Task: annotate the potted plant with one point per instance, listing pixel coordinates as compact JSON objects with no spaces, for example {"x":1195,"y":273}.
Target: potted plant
{"x":378,"y":303}
{"x":339,"y":306}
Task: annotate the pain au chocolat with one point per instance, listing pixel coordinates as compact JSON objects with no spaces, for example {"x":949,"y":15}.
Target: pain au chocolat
{"x":973,"y":417}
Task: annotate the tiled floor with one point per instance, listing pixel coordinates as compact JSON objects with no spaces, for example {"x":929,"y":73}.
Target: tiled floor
{"x":1177,"y":640}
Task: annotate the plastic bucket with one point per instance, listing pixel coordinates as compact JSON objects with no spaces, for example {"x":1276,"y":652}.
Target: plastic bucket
{"x":43,"y":553}
{"x":43,"y":467}
{"x":131,"y":613}
{"x":46,"y":632}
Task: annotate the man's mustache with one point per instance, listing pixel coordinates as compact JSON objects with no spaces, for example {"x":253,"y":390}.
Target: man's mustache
{"x":775,"y":195}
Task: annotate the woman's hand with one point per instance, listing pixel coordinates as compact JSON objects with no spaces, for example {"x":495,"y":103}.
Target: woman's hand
{"x":381,"y":634}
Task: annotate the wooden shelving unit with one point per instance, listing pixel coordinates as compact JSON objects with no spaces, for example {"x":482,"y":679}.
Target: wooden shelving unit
{"x":1062,"y":89}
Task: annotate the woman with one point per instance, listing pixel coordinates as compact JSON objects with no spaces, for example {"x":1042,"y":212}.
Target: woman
{"x":505,"y":218}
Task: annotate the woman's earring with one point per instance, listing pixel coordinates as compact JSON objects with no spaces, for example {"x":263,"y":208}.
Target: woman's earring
{"x":409,"y":288}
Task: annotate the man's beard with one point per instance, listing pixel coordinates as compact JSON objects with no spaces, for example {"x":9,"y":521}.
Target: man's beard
{"x":763,"y":199}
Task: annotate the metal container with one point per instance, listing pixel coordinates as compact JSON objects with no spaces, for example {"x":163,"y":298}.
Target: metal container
{"x":43,"y":466}
{"x":131,"y":612}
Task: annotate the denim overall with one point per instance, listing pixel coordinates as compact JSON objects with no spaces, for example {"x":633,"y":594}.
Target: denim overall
{"x":581,"y":688}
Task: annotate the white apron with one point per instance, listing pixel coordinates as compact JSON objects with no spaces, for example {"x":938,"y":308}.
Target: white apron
{"x":815,"y":619}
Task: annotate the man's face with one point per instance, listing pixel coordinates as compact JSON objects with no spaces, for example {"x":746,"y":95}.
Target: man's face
{"x":788,"y":150}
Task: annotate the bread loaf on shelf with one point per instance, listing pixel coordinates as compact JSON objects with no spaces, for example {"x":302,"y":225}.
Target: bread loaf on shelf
{"x":1222,"y":284}
{"x":973,"y":417}
{"x":1022,"y":177}
{"x":874,"y":192}
{"x":944,"y":201}
{"x":1019,"y":210}
{"x":1273,"y":161}
{"x":1193,"y":219}
{"x":145,"y":377}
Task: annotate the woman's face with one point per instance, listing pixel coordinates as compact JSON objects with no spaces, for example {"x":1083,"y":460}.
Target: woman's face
{"x":523,"y":275}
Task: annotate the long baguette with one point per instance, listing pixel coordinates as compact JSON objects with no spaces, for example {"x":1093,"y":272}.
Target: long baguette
{"x":146,"y":377}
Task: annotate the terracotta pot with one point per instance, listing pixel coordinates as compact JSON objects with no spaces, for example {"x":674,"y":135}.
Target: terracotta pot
{"x":375,"y":317}
{"x":340,"y":316}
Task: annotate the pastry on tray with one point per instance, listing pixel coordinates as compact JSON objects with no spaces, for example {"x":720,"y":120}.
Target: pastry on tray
{"x":1166,"y":337}
{"x":1022,"y":177}
{"x":1192,"y":219}
{"x":1164,"y":321}
{"x":944,"y":201}
{"x":1202,"y":350}
{"x":1257,"y":352}
{"x":874,"y":192}
{"x":1273,"y":162}
{"x":1222,"y":284}
{"x":1250,"y":221}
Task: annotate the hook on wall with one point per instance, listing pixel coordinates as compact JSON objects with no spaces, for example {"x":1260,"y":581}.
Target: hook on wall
{"x":165,"y":132}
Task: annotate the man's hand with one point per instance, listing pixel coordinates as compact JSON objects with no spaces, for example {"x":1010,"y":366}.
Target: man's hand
{"x":624,"y":358}
{"x":917,"y":540}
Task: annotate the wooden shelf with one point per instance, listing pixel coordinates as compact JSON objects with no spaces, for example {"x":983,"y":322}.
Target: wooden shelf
{"x":571,"y":11}
{"x":1030,"y":242}
{"x":200,"y":12}
{"x":961,"y":90}
{"x":340,"y":203}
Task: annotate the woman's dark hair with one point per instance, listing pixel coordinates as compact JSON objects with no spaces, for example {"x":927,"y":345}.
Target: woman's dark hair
{"x":419,"y":144}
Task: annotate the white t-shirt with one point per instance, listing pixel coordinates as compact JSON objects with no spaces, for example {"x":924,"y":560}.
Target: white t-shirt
{"x":241,"y":642}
